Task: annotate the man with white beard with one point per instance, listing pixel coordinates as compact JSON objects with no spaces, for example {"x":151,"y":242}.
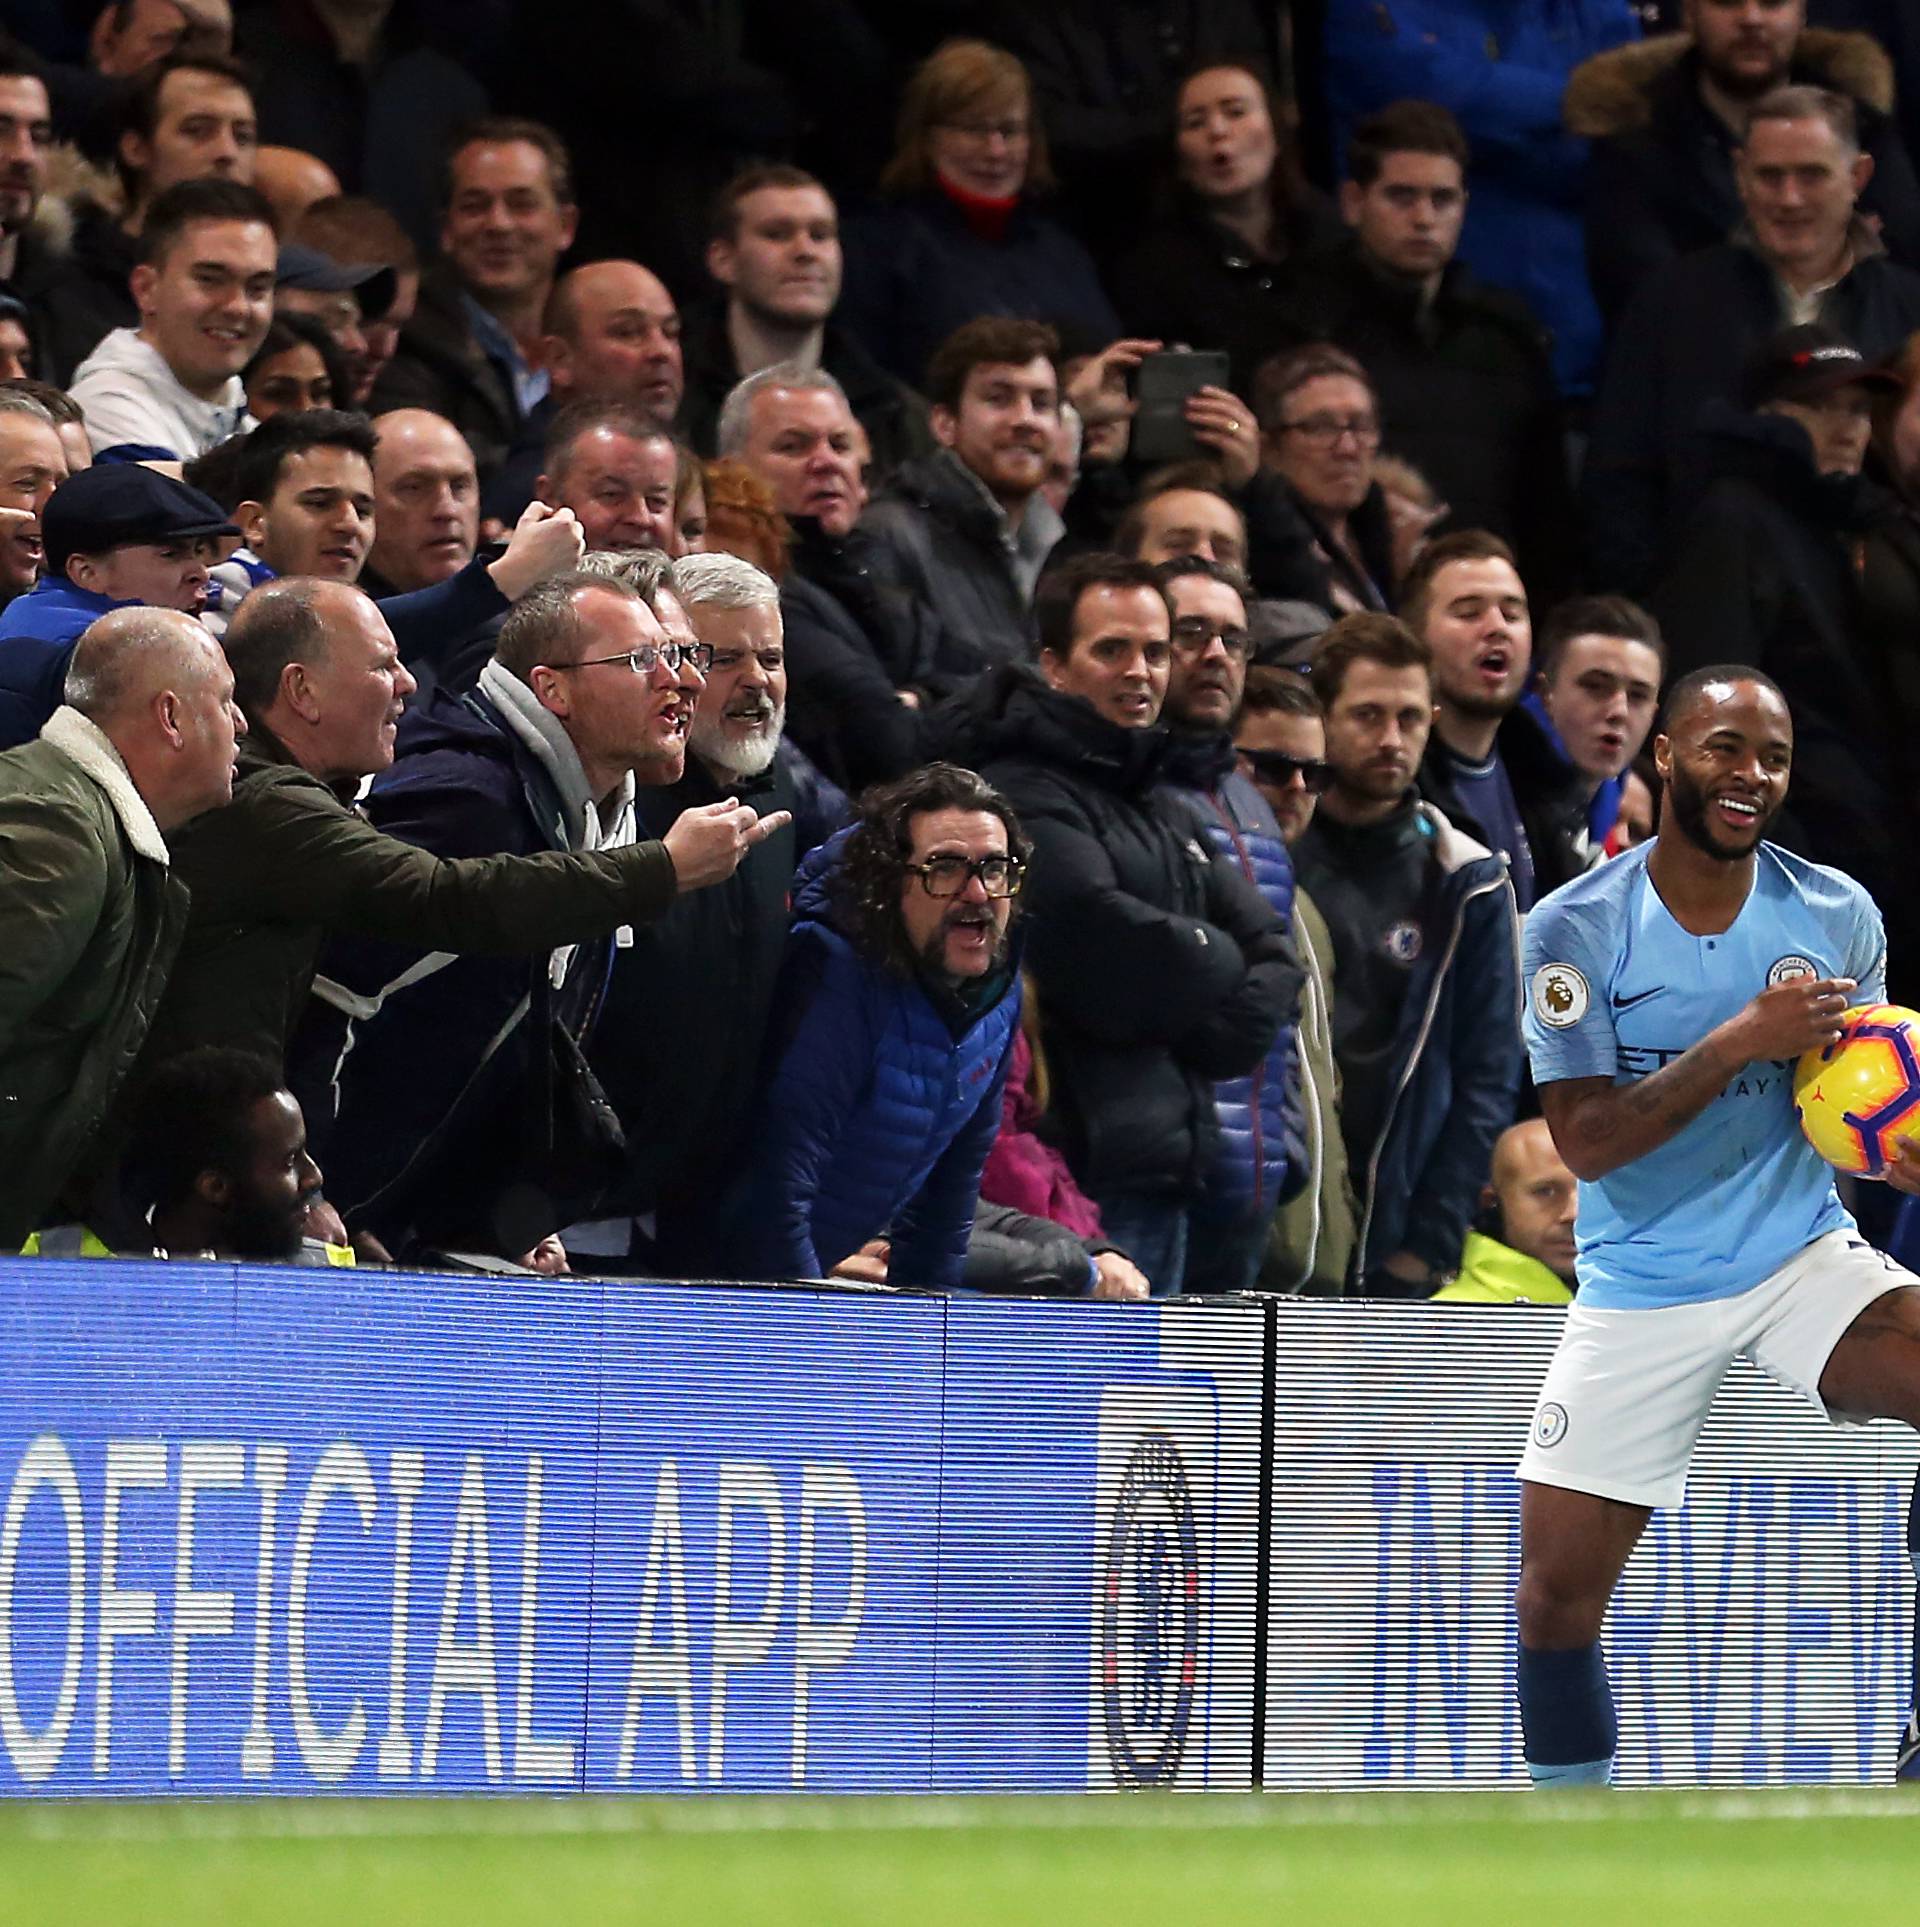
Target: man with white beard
{"x":679,"y":1045}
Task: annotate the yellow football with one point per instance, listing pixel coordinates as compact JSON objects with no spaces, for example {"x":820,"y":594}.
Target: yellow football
{"x":1856,"y":1098}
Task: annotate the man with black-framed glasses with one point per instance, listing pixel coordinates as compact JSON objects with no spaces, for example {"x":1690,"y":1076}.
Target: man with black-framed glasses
{"x":1259,"y":1156}
{"x":455,"y":1074}
{"x":1280,"y":735}
{"x":892,"y":1029}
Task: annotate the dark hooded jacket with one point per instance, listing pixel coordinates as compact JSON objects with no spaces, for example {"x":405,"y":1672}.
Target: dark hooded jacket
{"x":1661,"y":180}
{"x":1160,"y":969}
{"x":1465,"y":386}
{"x":1190,"y":279}
{"x":441,"y":366}
{"x":1683,"y":343}
{"x":894,"y":416}
{"x":1767,"y":571}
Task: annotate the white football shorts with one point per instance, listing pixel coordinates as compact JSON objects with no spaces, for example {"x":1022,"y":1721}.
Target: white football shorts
{"x":1627,"y":1392}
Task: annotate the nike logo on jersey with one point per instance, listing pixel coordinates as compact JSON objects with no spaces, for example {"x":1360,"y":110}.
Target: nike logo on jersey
{"x":1639,"y":997}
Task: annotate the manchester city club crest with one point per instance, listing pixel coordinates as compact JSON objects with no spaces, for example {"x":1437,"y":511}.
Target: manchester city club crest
{"x":1785,"y":969}
{"x":1150,"y":1615}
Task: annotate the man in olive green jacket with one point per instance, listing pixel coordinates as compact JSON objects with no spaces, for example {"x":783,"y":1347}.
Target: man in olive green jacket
{"x":91,"y":909}
{"x":322,"y":685}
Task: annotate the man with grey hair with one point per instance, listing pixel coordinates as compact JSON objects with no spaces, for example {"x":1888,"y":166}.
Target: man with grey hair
{"x":88,"y":898}
{"x":1803,"y":254}
{"x":323,"y":688}
{"x":684,"y":1089}
{"x":440,"y":1061}
{"x":860,"y":648}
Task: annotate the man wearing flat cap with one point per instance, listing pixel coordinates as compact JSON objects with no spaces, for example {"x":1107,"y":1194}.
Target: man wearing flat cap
{"x":115,"y":537}
{"x":1765,"y":572}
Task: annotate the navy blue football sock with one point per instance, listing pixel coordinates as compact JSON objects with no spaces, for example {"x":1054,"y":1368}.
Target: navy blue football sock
{"x":1566,"y":1715}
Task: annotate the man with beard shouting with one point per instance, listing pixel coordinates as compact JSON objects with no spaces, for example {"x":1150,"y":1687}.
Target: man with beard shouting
{"x":1669,"y":994}
{"x":893,"y":1025}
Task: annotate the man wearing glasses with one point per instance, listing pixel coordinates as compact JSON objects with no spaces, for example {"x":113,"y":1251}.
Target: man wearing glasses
{"x":1260,"y":1156}
{"x":1281,"y":736}
{"x":443,"y":1063}
{"x":893,"y":1026}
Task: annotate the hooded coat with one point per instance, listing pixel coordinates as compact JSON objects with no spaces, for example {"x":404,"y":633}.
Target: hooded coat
{"x":1767,"y":571}
{"x":1661,"y":182}
{"x":1682,"y":344}
{"x":1160,"y":969}
{"x":880,"y":1097}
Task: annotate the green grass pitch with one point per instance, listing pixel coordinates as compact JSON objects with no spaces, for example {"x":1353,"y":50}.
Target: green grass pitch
{"x":1639,"y":1859}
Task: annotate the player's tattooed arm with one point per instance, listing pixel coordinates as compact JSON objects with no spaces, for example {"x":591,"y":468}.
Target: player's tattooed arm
{"x":1599,"y":1125}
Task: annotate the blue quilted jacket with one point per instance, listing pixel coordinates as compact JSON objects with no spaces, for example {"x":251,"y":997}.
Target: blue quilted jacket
{"x":879,"y":1100}
{"x":1260,"y":1160}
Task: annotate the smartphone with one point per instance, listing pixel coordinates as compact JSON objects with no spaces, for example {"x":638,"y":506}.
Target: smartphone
{"x":1161,"y":387}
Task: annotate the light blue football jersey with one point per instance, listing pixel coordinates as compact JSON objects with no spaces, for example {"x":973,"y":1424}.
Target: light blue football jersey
{"x":1615,"y":988}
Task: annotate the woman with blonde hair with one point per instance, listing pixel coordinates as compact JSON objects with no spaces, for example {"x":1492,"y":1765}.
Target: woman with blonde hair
{"x":957,"y":233}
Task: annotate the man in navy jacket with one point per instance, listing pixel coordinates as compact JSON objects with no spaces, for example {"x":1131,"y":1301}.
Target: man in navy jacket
{"x":893,"y":1027}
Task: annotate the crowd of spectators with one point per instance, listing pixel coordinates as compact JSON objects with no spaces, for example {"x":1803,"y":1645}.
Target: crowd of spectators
{"x":944,"y":649}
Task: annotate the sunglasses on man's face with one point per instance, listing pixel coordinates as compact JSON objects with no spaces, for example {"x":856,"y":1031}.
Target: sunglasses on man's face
{"x":1279,"y":769}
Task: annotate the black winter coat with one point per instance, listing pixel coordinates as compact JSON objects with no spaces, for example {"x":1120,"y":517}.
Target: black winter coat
{"x":1681,"y":345}
{"x":1660,"y":183}
{"x":1767,"y":572}
{"x":678,"y":1045}
{"x":854,"y":637}
{"x":80,"y":295}
{"x":441,"y":367}
{"x":1160,"y":969}
{"x":1192,"y":280}
{"x":939,"y":538}
{"x":893,"y":415}
{"x":1466,"y":394}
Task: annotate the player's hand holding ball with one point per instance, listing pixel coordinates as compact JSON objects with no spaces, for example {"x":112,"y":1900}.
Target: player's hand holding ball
{"x":1790,"y":1018}
{"x":1858,"y":1097}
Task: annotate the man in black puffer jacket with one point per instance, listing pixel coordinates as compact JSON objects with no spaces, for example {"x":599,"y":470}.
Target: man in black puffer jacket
{"x":1160,"y":969}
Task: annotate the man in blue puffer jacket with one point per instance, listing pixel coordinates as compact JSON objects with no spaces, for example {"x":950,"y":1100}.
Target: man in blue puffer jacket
{"x":1260,"y":1160}
{"x":893,"y":1026}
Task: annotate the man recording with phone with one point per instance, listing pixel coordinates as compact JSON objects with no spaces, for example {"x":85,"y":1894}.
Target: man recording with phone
{"x":1181,"y":423}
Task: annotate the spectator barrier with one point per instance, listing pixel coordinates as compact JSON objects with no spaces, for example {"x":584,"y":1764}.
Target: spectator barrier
{"x":283,"y":1532}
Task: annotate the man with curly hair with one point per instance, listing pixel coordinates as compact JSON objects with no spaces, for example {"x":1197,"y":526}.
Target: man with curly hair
{"x":893,"y":1025}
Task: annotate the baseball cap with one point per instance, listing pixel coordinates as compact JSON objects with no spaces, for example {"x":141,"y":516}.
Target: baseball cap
{"x":373,"y":287}
{"x":1801,"y":364}
{"x":108,"y":506}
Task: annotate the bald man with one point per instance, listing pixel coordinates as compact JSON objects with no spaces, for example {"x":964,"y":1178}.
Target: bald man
{"x":1532,"y":1195}
{"x":426,"y":503}
{"x":612,"y":335}
{"x":144,"y":743}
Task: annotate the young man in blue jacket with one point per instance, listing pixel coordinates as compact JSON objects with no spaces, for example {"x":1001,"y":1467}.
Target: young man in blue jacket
{"x":893,"y":1027}
{"x":1426,"y":971}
